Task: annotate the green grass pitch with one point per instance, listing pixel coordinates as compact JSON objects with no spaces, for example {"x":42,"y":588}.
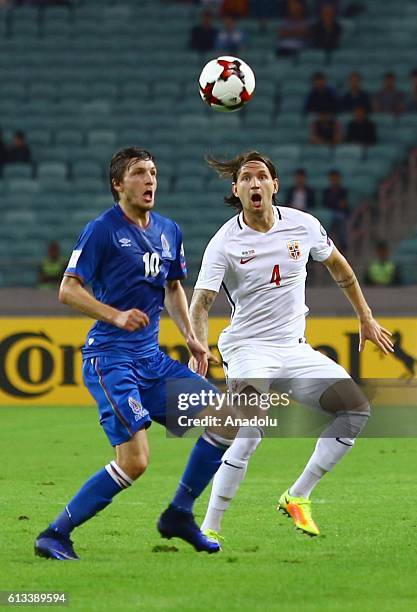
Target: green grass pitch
{"x":365,"y":560}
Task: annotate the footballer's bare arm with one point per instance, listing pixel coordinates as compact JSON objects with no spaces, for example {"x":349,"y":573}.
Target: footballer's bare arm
{"x":177,"y":307}
{"x":345,"y":278}
{"x":72,"y":293}
{"x":201,"y":303}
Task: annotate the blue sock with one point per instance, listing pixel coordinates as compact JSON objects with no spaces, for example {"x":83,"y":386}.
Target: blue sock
{"x":204,"y":461}
{"x":94,"y":495}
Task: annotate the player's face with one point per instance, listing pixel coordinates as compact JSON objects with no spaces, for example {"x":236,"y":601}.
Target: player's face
{"x":255,"y":187}
{"x":137,"y":189}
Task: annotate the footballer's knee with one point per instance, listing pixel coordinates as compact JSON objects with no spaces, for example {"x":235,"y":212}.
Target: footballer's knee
{"x":345,"y":396}
{"x":133,"y":456}
{"x":135,"y":465}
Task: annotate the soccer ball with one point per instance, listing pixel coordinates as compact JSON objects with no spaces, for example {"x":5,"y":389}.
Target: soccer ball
{"x":227,"y":83}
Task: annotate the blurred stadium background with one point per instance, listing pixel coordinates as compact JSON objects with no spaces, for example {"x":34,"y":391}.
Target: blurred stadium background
{"x":87,"y":77}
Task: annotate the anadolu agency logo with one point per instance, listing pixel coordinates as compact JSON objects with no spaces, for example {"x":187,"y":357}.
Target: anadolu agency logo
{"x":32,"y":365}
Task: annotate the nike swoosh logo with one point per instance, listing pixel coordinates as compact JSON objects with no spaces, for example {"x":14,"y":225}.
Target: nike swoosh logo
{"x":237,"y":467}
{"x":245,"y":261}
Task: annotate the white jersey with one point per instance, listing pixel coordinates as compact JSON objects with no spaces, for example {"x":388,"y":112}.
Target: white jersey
{"x":264,"y":275}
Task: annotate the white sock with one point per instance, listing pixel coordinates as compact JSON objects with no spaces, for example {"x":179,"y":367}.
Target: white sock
{"x":230,"y":474}
{"x":328,"y":452}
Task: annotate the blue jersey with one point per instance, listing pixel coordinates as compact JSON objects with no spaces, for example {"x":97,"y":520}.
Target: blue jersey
{"x":127,"y":267}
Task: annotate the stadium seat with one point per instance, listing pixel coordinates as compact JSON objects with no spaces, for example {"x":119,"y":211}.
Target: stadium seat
{"x":52,"y":169}
{"x":89,"y":185}
{"x":166,"y":90}
{"x":69,"y":137}
{"x":364,"y":183}
{"x":57,"y":153}
{"x":14,"y":91}
{"x":20,"y":217}
{"x":408,"y":247}
{"x":190,"y":184}
{"x":24,"y":29}
{"x":17,"y":171}
{"x":291,"y":119}
{"x":316,"y":152}
{"x":87,"y":169}
{"x":384,"y":152}
{"x":36,"y":136}
{"x":291,"y":103}
{"x":290,"y":152}
{"x":18,"y":185}
{"x":41,"y":91}
{"x":53,"y":28}
{"x":54,"y":184}
{"x":80,"y":218}
{"x":106,"y":138}
{"x":318,"y":180}
{"x":164,"y":184}
{"x":324,"y":215}
{"x":134,"y":90}
{"x":72,"y":90}
{"x":376,"y":167}
{"x":57,"y":13}
{"x":348,"y":152}
{"x":102,"y":91}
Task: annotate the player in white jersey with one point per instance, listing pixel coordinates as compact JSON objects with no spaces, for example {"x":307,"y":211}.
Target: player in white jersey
{"x":260,"y":257}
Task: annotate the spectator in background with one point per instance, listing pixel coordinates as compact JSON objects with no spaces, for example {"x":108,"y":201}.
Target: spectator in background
{"x":355,"y":95}
{"x":52,"y":268}
{"x":325,"y":130}
{"x":411,"y":101}
{"x":3,"y":152}
{"x":18,"y":151}
{"x":382,"y":271}
{"x":234,"y":8}
{"x":335,"y":198}
{"x":300,"y":195}
{"x":325,"y":33}
{"x":361,"y":130}
{"x":322,"y":98}
{"x":318,"y":5}
{"x":230,"y":39}
{"x":203,"y":36}
{"x":389,"y":99}
{"x":294,"y":30}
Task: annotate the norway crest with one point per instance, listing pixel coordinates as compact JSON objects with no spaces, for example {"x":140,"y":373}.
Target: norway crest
{"x":294,"y":249}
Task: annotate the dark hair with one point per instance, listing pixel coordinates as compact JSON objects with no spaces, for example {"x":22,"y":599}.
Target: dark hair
{"x":319,"y":75}
{"x":230,"y":169}
{"x":335,"y":172}
{"x":301,"y":171}
{"x":121,"y":161}
{"x":389,"y":75}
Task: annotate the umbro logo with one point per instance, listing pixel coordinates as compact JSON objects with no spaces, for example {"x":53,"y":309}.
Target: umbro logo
{"x":125,"y":242}
{"x":246,"y":259}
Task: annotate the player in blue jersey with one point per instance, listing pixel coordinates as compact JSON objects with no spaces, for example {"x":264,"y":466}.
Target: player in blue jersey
{"x":133,"y":259}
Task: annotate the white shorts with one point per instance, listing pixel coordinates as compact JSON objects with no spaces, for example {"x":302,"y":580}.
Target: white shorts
{"x":299,"y":368}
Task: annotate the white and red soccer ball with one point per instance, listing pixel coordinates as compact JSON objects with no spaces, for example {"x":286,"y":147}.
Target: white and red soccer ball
{"x":227,"y":83}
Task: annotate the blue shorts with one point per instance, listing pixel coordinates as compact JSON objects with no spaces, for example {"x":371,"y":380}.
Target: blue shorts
{"x":131,"y":393}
